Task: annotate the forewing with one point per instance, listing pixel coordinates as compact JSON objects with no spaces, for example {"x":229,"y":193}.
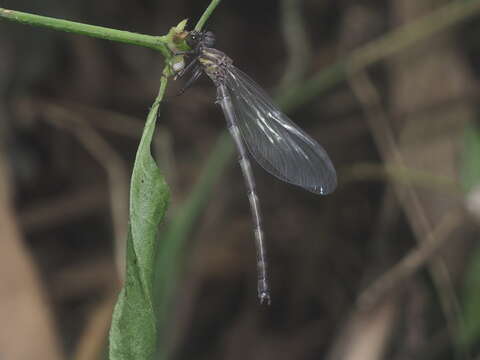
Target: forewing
{"x":275,"y":142}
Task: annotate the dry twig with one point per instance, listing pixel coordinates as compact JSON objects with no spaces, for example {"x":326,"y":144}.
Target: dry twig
{"x":114,"y":166}
{"x":383,"y":135}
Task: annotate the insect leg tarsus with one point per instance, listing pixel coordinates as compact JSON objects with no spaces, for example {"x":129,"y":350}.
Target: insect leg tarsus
{"x":196,"y":75}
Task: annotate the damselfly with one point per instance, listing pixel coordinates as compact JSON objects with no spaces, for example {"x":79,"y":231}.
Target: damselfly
{"x":273,"y":140}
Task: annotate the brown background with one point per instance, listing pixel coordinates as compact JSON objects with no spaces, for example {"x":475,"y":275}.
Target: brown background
{"x":355,"y":275}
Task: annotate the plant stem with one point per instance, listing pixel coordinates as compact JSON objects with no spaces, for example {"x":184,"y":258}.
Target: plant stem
{"x":149,"y":41}
{"x":206,"y":14}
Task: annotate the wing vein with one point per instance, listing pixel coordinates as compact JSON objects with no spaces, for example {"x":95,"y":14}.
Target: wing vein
{"x":274,"y":141}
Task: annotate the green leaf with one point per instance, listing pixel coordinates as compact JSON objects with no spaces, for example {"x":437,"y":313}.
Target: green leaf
{"x":133,"y":334}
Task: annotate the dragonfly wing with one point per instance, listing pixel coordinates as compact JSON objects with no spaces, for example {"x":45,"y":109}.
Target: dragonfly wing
{"x":276,"y":143}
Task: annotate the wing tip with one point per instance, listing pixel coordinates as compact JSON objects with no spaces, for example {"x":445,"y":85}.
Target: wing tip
{"x":324,"y":189}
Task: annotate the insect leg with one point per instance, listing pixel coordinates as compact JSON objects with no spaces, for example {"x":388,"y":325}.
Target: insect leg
{"x":196,"y":75}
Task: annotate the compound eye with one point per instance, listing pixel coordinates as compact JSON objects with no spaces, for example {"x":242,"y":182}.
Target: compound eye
{"x":192,"y":39}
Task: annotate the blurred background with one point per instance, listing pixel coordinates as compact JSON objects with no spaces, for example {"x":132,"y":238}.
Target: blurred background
{"x":387,"y":267}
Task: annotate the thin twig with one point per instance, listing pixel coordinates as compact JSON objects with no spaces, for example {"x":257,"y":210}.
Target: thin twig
{"x":114,"y":166}
{"x":406,"y":267}
{"x":377,"y":119}
{"x":98,"y":274}
{"x":119,"y":124}
{"x":390,"y":44}
{"x":62,"y":208}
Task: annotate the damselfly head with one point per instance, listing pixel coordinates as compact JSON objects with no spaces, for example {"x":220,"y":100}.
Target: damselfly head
{"x":193,"y":38}
{"x":204,"y":38}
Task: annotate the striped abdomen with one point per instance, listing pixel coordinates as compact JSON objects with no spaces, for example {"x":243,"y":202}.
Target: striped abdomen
{"x":227,"y":106}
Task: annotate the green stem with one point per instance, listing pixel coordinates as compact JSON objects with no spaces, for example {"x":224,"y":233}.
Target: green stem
{"x":161,"y":91}
{"x":149,"y":41}
{"x":208,"y":11}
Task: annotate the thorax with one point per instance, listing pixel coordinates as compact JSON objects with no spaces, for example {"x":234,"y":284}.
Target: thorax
{"x":215,"y":63}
